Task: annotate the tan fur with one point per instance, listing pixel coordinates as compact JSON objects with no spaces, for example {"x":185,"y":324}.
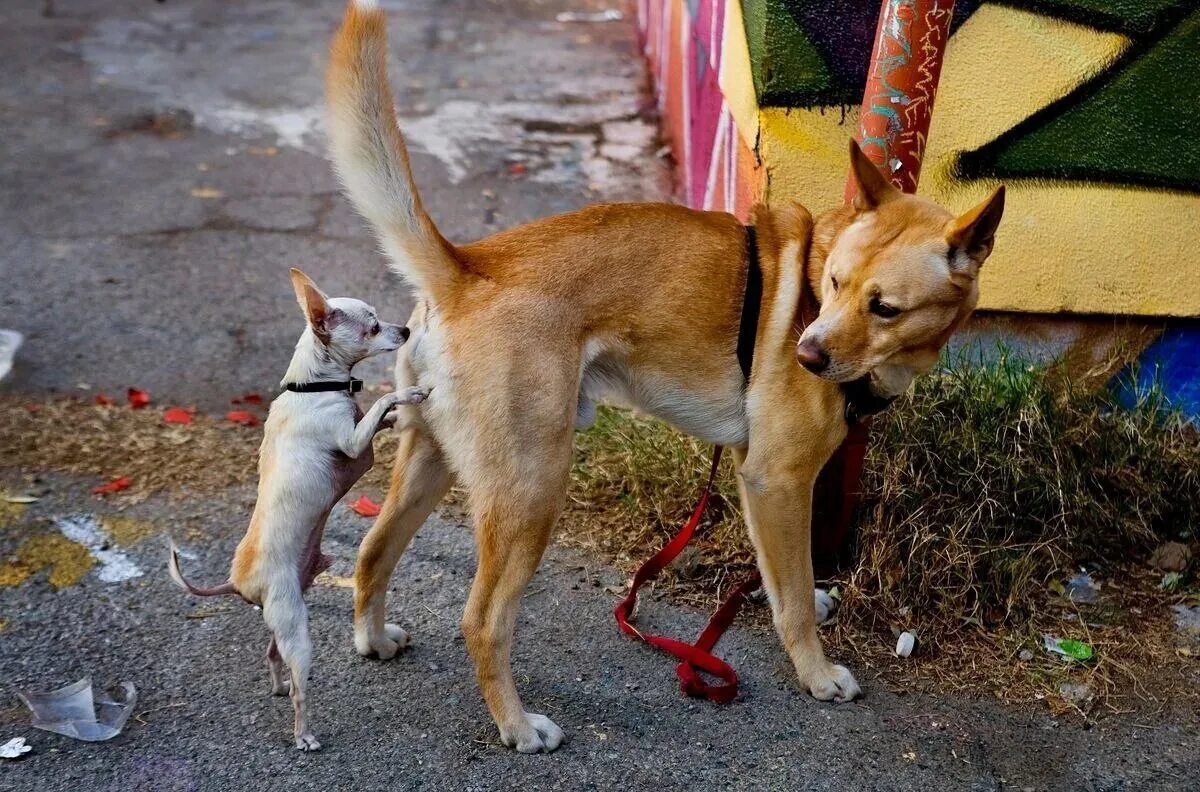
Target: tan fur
{"x":639,"y":304}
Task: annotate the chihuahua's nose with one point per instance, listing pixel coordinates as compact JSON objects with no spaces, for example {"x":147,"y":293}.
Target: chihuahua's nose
{"x":811,"y":356}
{"x":404,"y":333}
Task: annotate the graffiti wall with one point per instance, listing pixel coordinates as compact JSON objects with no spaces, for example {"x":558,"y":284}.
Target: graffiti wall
{"x":700,"y":61}
{"x":1086,"y":109}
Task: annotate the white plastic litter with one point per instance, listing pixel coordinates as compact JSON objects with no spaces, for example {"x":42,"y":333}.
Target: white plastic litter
{"x":14,"y":748}
{"x":10,"y":342}
{"x":74,"y":711}
{"x":905,"y":644}
{"x":825,"y":605}
{"x":1082,"y":588}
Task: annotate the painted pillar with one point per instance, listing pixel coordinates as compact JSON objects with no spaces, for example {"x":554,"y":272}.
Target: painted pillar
{"x":902,"y":80}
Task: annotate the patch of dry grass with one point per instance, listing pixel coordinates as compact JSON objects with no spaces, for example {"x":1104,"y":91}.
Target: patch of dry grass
{"x":985,"y":488}
{"x":103,"y":442}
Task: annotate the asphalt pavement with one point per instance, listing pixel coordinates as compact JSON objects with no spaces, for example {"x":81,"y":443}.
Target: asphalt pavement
{"x":161,"y":167}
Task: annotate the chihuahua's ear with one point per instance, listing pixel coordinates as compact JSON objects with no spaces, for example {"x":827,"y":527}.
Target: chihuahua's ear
{"x":313,"y":302}
{"x":871,"y":187}
{"x":974,"y":231}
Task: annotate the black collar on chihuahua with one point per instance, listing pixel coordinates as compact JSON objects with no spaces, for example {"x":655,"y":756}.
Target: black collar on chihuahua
{"x":352,"y":385}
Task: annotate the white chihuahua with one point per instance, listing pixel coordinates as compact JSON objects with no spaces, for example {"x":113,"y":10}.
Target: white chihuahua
{"x":316,"y":445}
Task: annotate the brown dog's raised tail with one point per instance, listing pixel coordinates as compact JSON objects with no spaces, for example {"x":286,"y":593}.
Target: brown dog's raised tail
{"x":369,"y":155}
{"x":177,"y":576}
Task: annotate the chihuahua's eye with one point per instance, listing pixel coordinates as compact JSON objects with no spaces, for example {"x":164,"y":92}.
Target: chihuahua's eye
{"x":833,"y":281}
{"x":375,"y":329}
{"x":882,"y":309}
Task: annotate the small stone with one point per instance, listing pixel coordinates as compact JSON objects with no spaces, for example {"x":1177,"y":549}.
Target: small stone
{"x":1076,"y":693}
{"x":1187,"y":623}
{"x":688,"y":564}
{"x":1025,"y":656}
{"x":1171,"y":557}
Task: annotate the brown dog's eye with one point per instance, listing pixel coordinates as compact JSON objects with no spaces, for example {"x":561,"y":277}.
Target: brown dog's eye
{"x":882,"y":309}
{"x":833,"y":281}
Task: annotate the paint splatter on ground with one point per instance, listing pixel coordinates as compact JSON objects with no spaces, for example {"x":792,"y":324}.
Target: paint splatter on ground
{"x":86,"y":530}
{"x":67,"y":561}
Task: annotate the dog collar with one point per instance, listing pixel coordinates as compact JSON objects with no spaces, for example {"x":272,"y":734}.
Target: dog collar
{"x":861,"y":403}
{"x":353,"y":386}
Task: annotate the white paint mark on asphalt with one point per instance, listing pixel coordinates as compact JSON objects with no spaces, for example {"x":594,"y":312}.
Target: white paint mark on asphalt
{"x":85,"y":529}
{"x":295,"y":127}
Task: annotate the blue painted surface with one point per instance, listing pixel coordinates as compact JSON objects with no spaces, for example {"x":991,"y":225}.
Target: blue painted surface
{"x":1171,"y":364}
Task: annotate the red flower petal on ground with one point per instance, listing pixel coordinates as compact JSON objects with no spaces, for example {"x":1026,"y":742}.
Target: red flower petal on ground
{"x":241,"y":417}
{"x":32,"y":407}
{"x":252,"y":398}
{"x":103,"y":400}
{"x":116,"y":485}
{"x":177,"y":415}
{"x":517,"y":168}
{"x":138,"y":398}
{"x":365,"y":507}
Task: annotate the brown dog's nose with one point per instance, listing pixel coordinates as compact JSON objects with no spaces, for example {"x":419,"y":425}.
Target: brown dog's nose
{"x":811,"y":356}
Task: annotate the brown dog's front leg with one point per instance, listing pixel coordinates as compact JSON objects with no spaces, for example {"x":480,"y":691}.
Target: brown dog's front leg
{"x":777,"y":500}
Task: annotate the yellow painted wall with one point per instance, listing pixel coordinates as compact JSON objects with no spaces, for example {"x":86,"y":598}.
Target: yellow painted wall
{"x":1083,"y":248}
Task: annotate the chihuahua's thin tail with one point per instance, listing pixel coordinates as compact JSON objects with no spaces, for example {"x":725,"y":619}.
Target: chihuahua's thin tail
{"x":370,"y":157}
{"x":177,"y":576}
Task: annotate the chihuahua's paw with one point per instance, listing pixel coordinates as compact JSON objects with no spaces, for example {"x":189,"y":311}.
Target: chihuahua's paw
{"x":829,"y":682}
{"x":533,"y":734}
{"x":307,"y":742}
{"x":281,"y":687}
{"x":413,"y":395}
{"x":384,"y":646}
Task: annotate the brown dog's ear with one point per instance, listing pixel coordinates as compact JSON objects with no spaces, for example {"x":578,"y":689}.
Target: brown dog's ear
{"x":312,"y":301}
{"x":974,"y":231}
{"x":871,"y":187}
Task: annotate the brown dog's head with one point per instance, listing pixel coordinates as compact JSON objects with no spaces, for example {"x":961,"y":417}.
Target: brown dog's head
{"x":900,"y":274}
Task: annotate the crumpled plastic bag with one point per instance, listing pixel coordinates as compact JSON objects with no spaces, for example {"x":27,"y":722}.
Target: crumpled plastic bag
{"x":10,"y":341}
{"x":74,"y":711}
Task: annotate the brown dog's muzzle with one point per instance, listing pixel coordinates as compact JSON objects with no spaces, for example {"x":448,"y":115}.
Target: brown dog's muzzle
{"x":810,"y":355}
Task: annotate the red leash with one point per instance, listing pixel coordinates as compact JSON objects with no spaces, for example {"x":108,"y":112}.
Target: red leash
{"x":696,"y":657}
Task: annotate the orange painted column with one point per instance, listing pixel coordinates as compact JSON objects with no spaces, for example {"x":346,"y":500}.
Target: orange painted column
{"x":902,"y":80}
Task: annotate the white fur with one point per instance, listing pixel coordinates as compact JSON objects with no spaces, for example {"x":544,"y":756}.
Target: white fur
{"x":314,"y":449}
{"x":605,"y":375}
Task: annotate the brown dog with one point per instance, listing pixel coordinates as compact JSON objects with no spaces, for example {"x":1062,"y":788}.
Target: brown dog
{"x":520,"y":333}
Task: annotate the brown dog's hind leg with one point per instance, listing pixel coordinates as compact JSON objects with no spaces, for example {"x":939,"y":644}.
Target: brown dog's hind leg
{"x":420,"y":480}
{"x":777,"y":501}
{"x":511,"y":535}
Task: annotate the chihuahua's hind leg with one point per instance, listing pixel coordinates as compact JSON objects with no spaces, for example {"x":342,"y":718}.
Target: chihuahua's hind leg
{"x":281,"y":685}
{"x":286,"y":615}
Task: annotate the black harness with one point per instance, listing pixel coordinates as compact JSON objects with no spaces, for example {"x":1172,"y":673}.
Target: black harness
{"x":860,"y":401}
{"x":352,"y":386}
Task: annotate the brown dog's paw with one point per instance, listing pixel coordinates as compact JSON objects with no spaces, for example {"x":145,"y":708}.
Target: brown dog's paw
{"x":384,"y":646}
{"x":829,"y":682}
{"x":534,"y":734}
